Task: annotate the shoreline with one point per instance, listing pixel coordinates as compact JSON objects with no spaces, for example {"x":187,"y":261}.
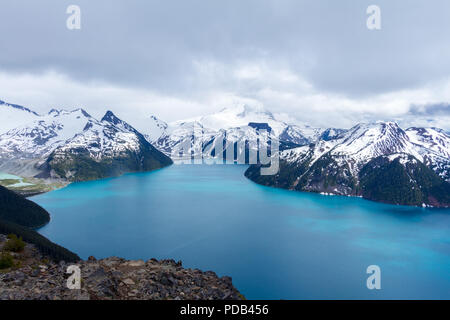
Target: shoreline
{"x":28,"y":191}
{"x":324,"y":194}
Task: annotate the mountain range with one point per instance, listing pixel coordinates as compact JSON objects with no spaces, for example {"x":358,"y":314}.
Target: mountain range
{"x":237,"y":124}
{"x":74,"y":146}
{"x":378,"y":161}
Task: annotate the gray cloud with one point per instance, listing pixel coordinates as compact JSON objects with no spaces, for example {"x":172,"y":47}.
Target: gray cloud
{"x":153,"y":43}
{"x":193,"y":49}
{"x":440,"y":109}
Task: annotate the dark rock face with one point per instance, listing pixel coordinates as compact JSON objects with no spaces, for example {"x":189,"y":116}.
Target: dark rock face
{"x":331,"y":133}
{"x":260,"y":126}
{"x":111,"y":279}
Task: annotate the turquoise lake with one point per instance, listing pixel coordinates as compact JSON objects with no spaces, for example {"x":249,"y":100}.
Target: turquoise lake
{"x":275,"y":244}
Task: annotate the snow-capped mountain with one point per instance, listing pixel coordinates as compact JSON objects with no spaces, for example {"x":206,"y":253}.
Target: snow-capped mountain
{"x":242,"y":115}
{"x":185,"y":139}
{"x":41,"y":136}
{"x":105,"y":148}
{"x":434,"y":148}
{"x":152,"y":128}
{"x":350,"y":163}
{"x":331,"y":134}
{"x":364,"y":142}
{"x":73,"y":145}
{"x":238,"y":123}
{"x":98,"y":139}
{"x":13,"y":115}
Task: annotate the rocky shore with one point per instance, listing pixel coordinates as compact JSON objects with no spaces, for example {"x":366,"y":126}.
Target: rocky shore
{"x":36,"y":277}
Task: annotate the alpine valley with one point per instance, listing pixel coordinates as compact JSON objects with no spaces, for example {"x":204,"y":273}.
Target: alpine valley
{"x":378,"y":161}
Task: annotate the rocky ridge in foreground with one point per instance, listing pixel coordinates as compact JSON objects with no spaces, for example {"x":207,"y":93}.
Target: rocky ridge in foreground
{"x":112,"y":278}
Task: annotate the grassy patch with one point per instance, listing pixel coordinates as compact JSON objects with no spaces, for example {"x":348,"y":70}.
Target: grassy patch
{"x":6,"y":260}
{"x":33,"y":185}
{"x":8,"y":182}
{"x":14,"y":244}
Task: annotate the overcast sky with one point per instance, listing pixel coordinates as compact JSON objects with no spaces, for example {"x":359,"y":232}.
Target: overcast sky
{"x":315,"y":60}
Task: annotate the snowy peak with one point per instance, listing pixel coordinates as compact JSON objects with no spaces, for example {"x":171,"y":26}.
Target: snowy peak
{"x":111,"y":118}
{"x":434,"y":147}
{"x":244,"y":110}
{"x":58,"y":112}
{"x":158,"y":123}
{"x":295,"y":135}
{"x":243,"y":121}
{"x":151,"y":127}
{"x":156,"y":128}
{"x":252,"y":111}
{"x":375,"y":130}
{"x":12,"y":116}
{"x":332,"y":134}
{"x":61,"y":113}
{"x":16,"y":106}
{"x":54,"y":112}
{"x":45,"y":133}
{"x":370,"y":140}
{"x":431,"y":138}
{"x":284,"y":128}
{"x":238,"y":116}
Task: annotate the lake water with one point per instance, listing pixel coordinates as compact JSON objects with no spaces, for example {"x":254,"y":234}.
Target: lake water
{"x":276,"y":244}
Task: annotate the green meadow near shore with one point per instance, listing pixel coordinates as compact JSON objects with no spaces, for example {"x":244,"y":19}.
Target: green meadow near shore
{"x":29,"y":186}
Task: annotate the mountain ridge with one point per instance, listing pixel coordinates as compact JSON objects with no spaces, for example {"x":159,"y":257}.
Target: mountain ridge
{"x":340,"y":166}
{"x":50,"y":144}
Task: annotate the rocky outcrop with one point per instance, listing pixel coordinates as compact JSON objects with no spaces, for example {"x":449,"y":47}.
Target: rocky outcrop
{"x":113,"y":278}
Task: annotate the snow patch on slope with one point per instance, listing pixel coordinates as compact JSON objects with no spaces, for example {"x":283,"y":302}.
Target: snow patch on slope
{"x":13,"y":116}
